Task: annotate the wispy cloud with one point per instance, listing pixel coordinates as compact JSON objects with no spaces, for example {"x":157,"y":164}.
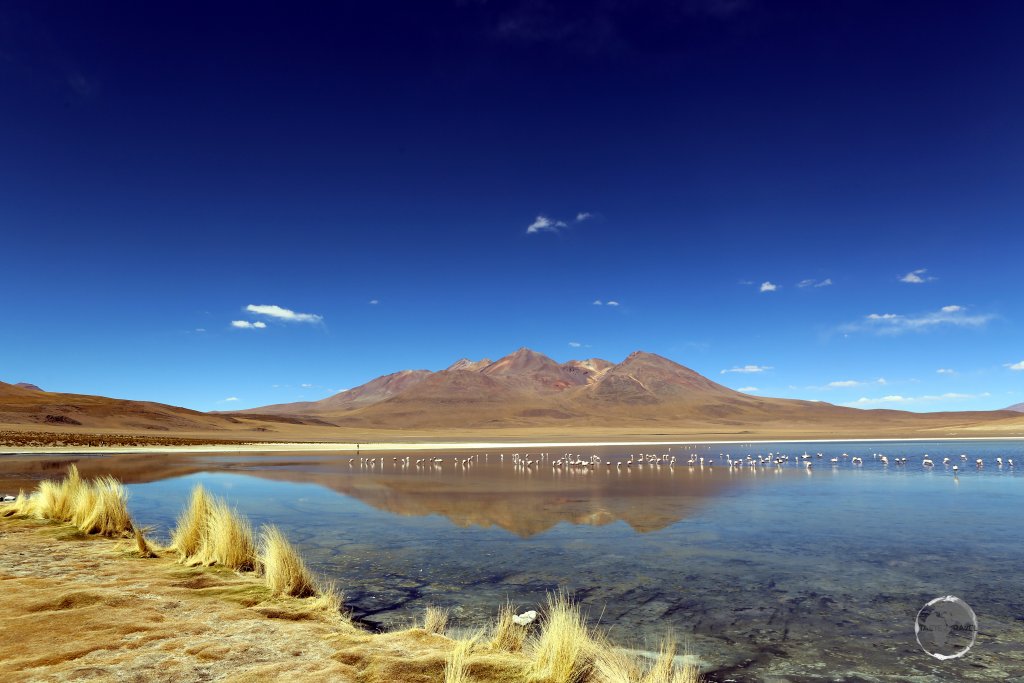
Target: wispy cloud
{"x":847,"y":383}
{"x":895,"y":323}
{"x":896,"y":399}
{"x":1016,"y":366}
{"x":947,"y":371}
{"x":747,"y":369}
{"x":583,"y":216}
{"x":768,"y":286}
{"x":279,"y":313}
{"x":612,"y":303}
{"x":246,"y":325}
{"x":598,"y":302}
{"x":374,"y":302}
{"x":748,"y":389}
{"x":827,"y":282}
{"x":575,"y":345}
{"x":916,"y":277}
{"x":544,"y":224}
{"x":229,"y":399}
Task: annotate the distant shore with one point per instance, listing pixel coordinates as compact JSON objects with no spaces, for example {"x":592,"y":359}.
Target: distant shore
{"x":385,"y":446}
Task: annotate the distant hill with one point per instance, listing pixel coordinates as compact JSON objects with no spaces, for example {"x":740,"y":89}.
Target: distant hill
{"x":27,"y":406}
{"x":1017,"y":407}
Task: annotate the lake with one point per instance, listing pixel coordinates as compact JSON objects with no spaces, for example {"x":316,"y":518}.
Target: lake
{"x":765,"y":571}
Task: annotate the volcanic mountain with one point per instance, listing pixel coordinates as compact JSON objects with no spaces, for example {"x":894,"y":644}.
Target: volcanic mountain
{"x":1017,"y":407}
{"x":645,"y":392}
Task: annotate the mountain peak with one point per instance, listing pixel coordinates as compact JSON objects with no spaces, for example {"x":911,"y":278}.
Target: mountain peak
{"x":26,"y":385}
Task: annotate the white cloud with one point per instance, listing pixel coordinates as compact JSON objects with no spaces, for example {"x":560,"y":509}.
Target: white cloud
{"x":1016,"y":366}
{"x":893,"y":323}
{"x":279,"y":313}
{"x":827,"y":282}
{"x":246,"y":325}
{"x":575,"y":345}
{"x":230,"y":398}
{"x":200,"y":329}
{"x":810,"y":282}
{"x":374,"y":302}
{"x":896,"y":399}
{"x":916,"y":277}
{"x":543,"y":223}
{"x":748,"y":389}
{"x":612,"y":303}
{"x":598,"y":302}
{"x":583,"y":216}
{"x":845,"y":383}
{"x":747,"y":368}
{"x":306,"y":386}
{"x":768,"y":286}
{"x":946,"y":371}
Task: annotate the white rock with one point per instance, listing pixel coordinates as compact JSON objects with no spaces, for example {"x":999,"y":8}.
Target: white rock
{"x":525,"y":619}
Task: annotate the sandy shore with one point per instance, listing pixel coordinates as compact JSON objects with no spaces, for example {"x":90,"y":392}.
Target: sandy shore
{"x":352,"y":447}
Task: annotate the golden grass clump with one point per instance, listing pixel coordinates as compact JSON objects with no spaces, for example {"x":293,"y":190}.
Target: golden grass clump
{"x":615,"y":665}
{"x":565,"y":650}
{"x":211,"y":532}
{"x":285,"y":573}
{"x":507,"y":635}
{"x":456,"y":665}
{"x":58,"y":500}
{"x":229,"y":539}
{"x":188,"y":535}
{"x":435,"y":619}
{"x":20,"y":507}
{"x":101,"y":507}
{"x":95,"y":507}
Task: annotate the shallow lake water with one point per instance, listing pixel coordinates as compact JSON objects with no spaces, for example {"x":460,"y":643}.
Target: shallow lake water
{"x":765,"y":572}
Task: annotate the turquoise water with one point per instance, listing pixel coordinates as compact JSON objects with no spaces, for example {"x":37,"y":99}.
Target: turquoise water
{"x":766,"y":573}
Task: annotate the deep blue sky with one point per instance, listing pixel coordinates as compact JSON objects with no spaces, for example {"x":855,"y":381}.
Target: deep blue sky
{"x":164,"y":166}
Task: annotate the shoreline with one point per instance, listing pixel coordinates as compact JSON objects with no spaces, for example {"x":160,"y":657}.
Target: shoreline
{"x":386,"y":446}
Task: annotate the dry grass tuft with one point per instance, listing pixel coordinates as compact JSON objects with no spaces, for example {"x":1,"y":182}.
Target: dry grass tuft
{"x":229,"y":539}
{"x":21,"y":507}
{"x":565,"y":650}
{"x":507,"y":635}
{"x":456,"y":665}
{"x":620,"y":666}
{"x":95,"y":507}
{"x":142,"y":545}
{"x":435,"y":620}
{"x":189,"y":533}
{"x":285,"y":573}
{"x":101,"y":507}
{"x":211,"y":532}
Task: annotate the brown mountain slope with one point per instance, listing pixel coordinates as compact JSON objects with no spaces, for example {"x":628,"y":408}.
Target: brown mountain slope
{"x":22,"y":406}
{"x":1017,"y":407}
{"x":374,"y":391}
{"x":645,"y":393}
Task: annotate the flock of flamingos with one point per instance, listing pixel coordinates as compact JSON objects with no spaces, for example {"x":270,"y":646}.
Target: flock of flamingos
{"x":576,"y":461}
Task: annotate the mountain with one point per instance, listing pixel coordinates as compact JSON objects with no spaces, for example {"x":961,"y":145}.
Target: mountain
{"x":645,"y":393}
{"x":522,"y":395}
{"x":1017,"y":407}
{"x":26,"y":385}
